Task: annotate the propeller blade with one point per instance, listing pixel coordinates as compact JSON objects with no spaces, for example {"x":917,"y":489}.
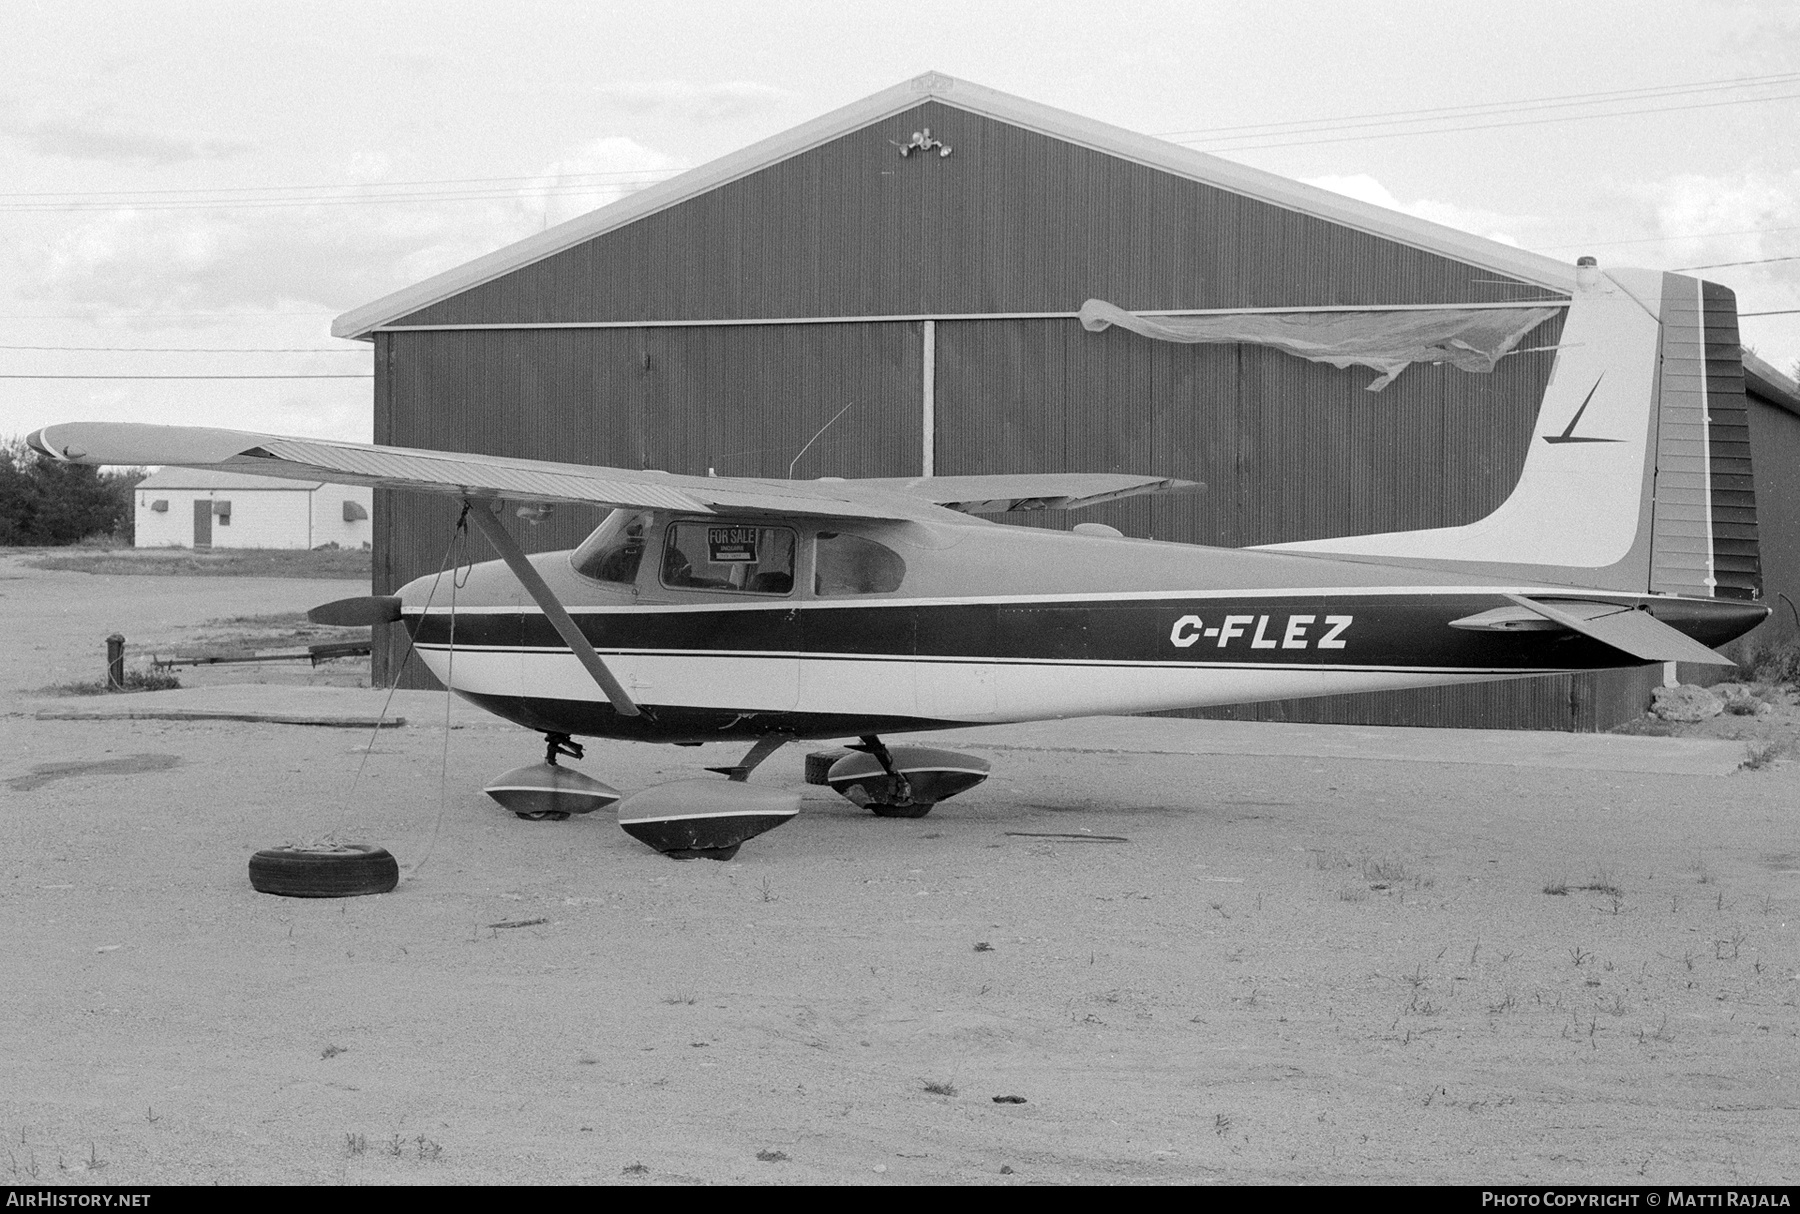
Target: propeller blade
{"x":359,"y":612}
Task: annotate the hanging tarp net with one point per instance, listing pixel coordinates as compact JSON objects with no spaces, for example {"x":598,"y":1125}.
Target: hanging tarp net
{"x":1473,"y":339}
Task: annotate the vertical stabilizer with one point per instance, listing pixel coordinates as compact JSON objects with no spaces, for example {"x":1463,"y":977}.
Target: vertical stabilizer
{"x":1638,"y":477}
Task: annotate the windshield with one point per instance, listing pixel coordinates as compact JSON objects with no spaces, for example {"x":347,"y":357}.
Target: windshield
{"x":615,"y":549}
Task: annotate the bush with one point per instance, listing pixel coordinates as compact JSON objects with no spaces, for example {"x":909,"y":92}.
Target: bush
{"x":1776,"y":660}
{"x":43,"y":502}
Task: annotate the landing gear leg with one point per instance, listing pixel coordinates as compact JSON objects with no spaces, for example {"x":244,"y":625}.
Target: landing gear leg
{"x":896,"y":800}
{"x":901,"y":783}
{"x":554,"y":744}
{"x":560,"y":744}
{"x":545,"y":792}
{"x":750,"y":762}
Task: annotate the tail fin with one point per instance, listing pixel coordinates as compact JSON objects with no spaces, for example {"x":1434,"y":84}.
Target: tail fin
{"x":1638,"y":477}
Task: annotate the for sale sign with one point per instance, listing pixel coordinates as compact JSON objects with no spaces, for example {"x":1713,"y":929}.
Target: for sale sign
{"x":731,"y":545}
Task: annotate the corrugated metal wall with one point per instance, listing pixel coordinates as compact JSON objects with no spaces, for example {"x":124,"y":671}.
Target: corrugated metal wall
{"x":1012,"y":221}
{"x":1775,"y":437}
{"x":742,"y":401}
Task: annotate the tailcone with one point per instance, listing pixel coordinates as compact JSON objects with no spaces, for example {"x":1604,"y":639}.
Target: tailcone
{"x":1712,"y":622}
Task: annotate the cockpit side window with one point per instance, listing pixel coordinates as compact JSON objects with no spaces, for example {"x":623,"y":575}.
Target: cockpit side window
{"x":849,"y":564}
{"x":615,"y":549}
{"x":729,"y":556}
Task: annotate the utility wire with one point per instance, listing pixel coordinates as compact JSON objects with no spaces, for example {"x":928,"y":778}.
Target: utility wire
{"x":341,"y":185}
{"x":576,"y":184}
{"x":200,"y":349}
{"x":1485,"y":108}
{"x":257,"y":204}
{"x":321,"y":376}
{"x":1491,"y":126}
{"x":1604,"y":244}
{"x":1722,"y":265}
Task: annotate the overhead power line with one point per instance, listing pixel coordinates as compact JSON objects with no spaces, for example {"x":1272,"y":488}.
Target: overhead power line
{"x":1606,"y":244}
{"x":1723,"y":265}
{"x":1436,"y":120}
{"x":322,"y":376}
{"x":336,"y":185}
{"x":323,"y":200}
{"x":202,"y":349}
{"x":1484,"y":108}
{"x":1491,"y":126}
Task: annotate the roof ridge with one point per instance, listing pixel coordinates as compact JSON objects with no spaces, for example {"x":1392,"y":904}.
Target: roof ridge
{"x":1047,"y":120}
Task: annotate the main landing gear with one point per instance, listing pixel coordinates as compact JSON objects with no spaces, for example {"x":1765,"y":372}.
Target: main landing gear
{"x":901,"y":781}
{"x":711,"y":819}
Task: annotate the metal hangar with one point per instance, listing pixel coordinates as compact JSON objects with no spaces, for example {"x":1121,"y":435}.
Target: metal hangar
{"x":914,"y":265}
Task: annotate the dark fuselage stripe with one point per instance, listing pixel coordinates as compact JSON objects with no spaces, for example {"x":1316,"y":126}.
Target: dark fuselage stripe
{"x":1380,"y":632}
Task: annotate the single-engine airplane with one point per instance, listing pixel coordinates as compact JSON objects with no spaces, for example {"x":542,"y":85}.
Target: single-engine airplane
{"x":708,"y":609}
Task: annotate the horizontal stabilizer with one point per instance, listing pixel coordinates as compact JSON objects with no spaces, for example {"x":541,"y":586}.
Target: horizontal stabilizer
{"x":1637,"y":633}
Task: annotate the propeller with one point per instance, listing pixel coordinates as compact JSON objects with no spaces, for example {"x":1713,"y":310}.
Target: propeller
{"x":358,"y":612}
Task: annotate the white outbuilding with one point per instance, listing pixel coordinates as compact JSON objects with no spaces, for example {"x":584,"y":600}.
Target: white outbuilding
{"x":189,"y":508}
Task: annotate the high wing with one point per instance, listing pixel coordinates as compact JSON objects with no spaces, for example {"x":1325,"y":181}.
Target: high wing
{"x":490,"y":477}
{"x":1000,"y":493}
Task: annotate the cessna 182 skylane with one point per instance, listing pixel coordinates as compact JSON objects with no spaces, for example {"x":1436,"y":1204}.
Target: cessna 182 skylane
{"x":707,"y":609}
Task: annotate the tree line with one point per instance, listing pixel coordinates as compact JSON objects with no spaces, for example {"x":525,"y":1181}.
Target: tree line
{"x":45,"y":503}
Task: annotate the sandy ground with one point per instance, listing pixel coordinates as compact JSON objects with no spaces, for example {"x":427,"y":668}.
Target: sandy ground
{"x":1297,"y":956}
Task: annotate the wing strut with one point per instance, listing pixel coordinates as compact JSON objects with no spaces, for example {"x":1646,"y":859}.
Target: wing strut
{"x":510,"y":552}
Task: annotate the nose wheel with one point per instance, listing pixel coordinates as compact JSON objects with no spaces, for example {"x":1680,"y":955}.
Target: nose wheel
{"x":547,"y":792}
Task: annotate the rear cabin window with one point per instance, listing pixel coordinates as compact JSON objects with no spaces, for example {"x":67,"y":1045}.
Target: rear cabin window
{"x":850,"y":564}
{"x":615,"y":549}
{"x":729,"y":556}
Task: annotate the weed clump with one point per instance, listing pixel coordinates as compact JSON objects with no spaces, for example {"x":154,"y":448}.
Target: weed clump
{"x":135,"y":680}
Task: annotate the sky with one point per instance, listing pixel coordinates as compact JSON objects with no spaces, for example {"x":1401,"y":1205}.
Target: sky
{"x":197,"y":189}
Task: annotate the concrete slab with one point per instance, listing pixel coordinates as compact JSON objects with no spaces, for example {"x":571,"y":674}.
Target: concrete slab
{"x":360,"y":708}
{"x":342,"y":707}
{"x":1506,"y":748}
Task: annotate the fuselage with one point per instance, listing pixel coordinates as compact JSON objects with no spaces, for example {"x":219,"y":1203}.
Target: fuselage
{"x":754,"y":627}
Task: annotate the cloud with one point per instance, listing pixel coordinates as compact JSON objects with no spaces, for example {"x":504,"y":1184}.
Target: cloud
{"x":695,"y":102}
{"x":1489,"y":224}
{"x":588,"y":178}
{"x":331,"y":256}
{"x":1708,"y":217}
{"x":1734,"y":218}
{"x":86,"y":139}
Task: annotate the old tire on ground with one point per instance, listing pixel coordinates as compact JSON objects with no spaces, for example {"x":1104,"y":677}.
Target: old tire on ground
{"x":343,"y":870}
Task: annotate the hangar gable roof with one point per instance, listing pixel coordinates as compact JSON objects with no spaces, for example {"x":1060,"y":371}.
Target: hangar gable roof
{"x":990,"y":103}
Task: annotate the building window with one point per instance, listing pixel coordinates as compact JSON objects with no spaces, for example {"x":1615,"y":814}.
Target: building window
{"x":160,"y":506}
{"x":353,"y":511}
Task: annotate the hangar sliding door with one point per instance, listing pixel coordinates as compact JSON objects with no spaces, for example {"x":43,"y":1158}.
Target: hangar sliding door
{"x":738,"y":400}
